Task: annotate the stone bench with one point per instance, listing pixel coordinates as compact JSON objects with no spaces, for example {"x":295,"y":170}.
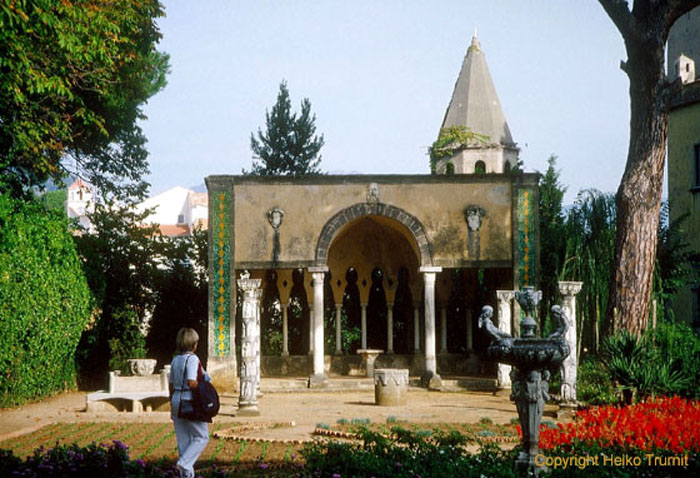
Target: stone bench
{"x":135,"y":389}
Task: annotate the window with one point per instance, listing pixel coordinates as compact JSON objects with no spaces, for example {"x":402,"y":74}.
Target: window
{"x":480,"y":167}
{"x":180,"y":218}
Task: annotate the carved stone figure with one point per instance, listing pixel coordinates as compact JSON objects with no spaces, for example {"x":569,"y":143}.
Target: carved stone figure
{"x":373,"y":193}
{"x":491,"y":330}
{"x":474,"y":215}
{"x":562,"y":321}
{"x":275,"y":216}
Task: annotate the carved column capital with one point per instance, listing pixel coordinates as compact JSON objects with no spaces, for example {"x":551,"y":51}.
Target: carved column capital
{"x":248,"y":285}
{"x":505,"y":295}
{"x":570,"y":288}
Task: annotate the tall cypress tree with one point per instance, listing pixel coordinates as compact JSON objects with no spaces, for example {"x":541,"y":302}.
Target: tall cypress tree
{"x":553,"y":240}
{"x":289,"y":145}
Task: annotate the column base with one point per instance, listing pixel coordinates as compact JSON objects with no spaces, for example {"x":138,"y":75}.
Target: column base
{"x":431,"y":381}
{"x":503,"y":391}
{"x":248,"y":411}
{"x":566,"y":409}
{"x":318,"y":380}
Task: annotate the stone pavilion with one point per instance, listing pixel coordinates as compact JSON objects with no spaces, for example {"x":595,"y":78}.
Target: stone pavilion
{"x":404,"y":261}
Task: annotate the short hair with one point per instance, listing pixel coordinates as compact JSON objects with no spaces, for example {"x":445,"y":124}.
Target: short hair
{"x":186,"y":339}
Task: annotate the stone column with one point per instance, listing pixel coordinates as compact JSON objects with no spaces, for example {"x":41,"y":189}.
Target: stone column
{"x":505,"y":298}
{"x":364,"y":325}
{"x":443,"y":330}
{"x":416,"y":329}
{"x":430,"y":379}
{"x":311,"y":328}
{"x":318,"y":379}
{"x":569,"y":368}
{"x":470,"y":332}
{"x":338,"y":331}
{"x":250,"y":346}
{"x":390,"y":328}
{"x":285,"y":329}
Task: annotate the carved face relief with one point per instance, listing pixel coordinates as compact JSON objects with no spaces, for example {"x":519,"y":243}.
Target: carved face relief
{"x":274,"y":217}
{"x":474,"y":215}
{"x":373,"y":193}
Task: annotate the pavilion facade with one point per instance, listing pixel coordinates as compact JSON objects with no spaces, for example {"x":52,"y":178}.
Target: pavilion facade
{"x":405,"y":260}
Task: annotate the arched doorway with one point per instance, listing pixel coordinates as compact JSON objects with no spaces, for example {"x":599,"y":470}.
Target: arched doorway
{"x":377,"y":249}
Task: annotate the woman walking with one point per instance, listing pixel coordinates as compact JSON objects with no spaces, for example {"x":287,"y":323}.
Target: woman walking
{"x":192,"y":436}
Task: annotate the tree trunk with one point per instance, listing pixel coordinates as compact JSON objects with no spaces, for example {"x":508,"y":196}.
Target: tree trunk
{"x":639,"y":195}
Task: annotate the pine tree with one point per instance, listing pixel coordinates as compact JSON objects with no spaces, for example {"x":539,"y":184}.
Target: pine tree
{"x":289,"y":146}
{"x":644,"y":27}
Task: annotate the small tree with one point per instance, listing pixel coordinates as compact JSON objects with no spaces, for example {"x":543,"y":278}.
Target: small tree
{"x":74,"y":79}
{"x":552,"y":234}
{"x":289,"y":145}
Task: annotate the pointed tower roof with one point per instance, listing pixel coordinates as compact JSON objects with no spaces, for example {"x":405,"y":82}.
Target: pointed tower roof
{"x":474,"y":101}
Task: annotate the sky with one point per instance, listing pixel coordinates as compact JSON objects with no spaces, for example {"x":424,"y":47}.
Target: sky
{"x":380,"y":75}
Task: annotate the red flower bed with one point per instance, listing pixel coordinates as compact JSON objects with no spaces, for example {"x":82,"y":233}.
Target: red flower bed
{"x":660,"y":424}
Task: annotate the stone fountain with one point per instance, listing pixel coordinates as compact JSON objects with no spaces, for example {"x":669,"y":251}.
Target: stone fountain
{"x":532,"y":358}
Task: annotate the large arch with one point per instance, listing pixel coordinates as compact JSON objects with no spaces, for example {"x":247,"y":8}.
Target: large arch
{"x":336,"y":223}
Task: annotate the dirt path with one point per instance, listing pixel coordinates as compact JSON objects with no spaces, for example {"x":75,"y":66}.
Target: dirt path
{"x":306,"y":409}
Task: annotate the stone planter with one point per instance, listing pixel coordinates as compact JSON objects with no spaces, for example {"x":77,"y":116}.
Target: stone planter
{"x":390,"y":386}
{"x":142,"y":367}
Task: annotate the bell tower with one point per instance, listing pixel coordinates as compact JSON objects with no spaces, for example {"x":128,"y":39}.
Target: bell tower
{"x":475,"y":106}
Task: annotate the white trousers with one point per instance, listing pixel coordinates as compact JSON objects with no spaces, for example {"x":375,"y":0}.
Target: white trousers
{"x":192,"y":438}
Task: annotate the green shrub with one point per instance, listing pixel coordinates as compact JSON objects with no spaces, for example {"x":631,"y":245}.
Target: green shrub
{"x":130,"y":344}
{"x":664,"y":361}
{"x":360,"y":421}
{"x":106,"y":461}
{"x":485,"y":421}
{"x":406,"y":453}
{"x":594,"y":383}
{"x":44,"y":302}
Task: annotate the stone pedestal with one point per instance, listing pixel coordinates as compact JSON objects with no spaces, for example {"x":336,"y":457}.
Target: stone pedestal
{"x":368,"y":358}
{"x":569,"y":369}
{"x":390,"y":386}
{"x":250,"y":351}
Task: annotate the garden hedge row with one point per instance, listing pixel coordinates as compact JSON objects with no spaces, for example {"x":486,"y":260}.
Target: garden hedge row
{"x":44,"y":302}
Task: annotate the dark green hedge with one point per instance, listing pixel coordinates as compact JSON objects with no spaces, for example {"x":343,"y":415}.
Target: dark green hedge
{"x":44,"y":302}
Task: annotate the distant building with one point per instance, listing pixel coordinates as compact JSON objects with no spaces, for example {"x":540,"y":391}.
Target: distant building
{"x":81,"y":203}
{"x":177,"y":211}
{"x":684,"y":148}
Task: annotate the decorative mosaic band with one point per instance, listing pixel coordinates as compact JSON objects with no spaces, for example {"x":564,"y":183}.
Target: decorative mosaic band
{"x":526,"y":238}
{"x":221,"y":262}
